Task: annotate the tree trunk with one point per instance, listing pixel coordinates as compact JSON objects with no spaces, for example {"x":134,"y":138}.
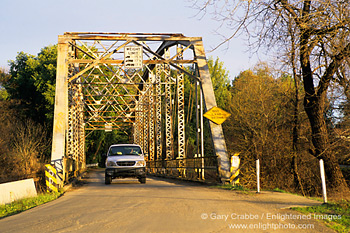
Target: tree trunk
{"x":296,"y":132}
{"x":98,"y":149}
{"x":314,"y":107}
{"x":296,"y":124}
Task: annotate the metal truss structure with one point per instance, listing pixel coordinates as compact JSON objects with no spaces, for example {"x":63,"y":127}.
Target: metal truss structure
{"x":100,"y":87}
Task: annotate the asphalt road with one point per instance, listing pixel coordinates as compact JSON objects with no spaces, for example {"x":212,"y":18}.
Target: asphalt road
{"x":163,"y":205}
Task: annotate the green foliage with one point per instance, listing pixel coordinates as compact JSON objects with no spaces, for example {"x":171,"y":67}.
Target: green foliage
{"x":3,"y":94}
{"x":32,"y":82}
{"x":221,"y":82}
{"x":4,"y":76}
{"x":279,"y":190}
{"x":98,"y":142}
{"x":27,"y":203}
{"x":236,"y":187}
{"x":335,"y":215}
{"x":27,"y":99}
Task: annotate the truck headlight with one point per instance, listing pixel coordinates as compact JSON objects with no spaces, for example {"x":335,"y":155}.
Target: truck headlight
{"x":110,"y":163}
{"x":141,"y":163}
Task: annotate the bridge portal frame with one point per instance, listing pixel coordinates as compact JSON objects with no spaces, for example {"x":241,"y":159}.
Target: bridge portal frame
{"x":68,"y":134}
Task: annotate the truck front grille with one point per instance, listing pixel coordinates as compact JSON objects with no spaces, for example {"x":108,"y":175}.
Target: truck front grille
{"x":126,"y":163}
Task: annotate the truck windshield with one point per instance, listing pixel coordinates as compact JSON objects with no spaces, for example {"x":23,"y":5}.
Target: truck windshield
{"x":124,"y":150}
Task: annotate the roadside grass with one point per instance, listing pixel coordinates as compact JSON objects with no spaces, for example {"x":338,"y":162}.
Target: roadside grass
{"x":27,"y":203}
{"x":281,"y":191}
{"x":336,"y":215}
{"x":235,"y":187}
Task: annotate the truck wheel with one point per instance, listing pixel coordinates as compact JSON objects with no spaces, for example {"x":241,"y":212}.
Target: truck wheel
{"x":108,"y":179}
{"x":142,"y":180}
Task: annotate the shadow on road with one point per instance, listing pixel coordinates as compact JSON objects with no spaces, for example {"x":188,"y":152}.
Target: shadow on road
{"x":159,"y":187}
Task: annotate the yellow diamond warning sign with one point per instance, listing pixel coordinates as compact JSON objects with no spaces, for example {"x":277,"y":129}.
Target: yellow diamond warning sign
{"x":217,"y":115}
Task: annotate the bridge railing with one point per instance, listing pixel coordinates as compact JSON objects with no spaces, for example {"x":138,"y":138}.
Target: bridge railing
{"x":198,"y":169}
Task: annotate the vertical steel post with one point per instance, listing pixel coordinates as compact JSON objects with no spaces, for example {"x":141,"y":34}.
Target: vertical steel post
{"x":61,"y":110}
{"x":197,"y":120}
{"x":81,"y":129}
{"x":139,"y":122}
{"x":168,"y":119}
{"x":134,"y":131}
{"x":210,"y":101}
{"x":198,"y":155}
{"x":146,"y":117}
{"x":151,"y":118}
{"x":168,"y":109}
{"x":136,"y":126}
{"x":181,"y":110}
{"x":158,"y":109}
{"x":140,"y":128}
{"x":202,"y":130}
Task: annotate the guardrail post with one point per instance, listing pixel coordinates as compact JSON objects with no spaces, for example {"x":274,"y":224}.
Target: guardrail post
{"x":323,"y":179}
{"x":258,"y":175}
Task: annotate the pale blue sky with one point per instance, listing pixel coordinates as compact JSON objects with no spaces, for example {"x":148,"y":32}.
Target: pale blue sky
{"x":29,"y":25}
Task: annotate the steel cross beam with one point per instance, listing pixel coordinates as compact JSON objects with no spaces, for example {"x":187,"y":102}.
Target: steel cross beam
{"x":96,"y":91}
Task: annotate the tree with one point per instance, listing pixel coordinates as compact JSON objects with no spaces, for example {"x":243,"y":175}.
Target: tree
{"x":314,"y":40}
{"x":260,"y":125}
{"x":32,"y":82}
{"x":221,"y":82}
{"x":98,"y":142}
{"x":23,"y":143}
{"x":29,"y":144}
{"x":4,"y":76}
{"x":321,"y":42}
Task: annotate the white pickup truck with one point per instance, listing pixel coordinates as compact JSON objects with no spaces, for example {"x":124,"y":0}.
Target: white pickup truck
{"x":125,"y":160}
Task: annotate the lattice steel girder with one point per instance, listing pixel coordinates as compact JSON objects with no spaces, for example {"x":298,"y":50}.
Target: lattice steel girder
{"x":151,"y":122}
{"x":181,"y":109}
{"x":158,"y":111}
{"x":168,"y":117}
{"x":113,"y":95}
{"x":146,"y":125}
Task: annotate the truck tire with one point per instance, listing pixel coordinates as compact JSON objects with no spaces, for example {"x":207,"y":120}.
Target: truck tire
{"x":142,"y":180}
{"x":108,"y":179}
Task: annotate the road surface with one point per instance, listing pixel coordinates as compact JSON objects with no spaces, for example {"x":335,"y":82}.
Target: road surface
{"x":163,"y":205}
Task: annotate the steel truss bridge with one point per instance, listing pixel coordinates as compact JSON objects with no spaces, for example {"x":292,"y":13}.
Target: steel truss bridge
{"x":112,"y":81}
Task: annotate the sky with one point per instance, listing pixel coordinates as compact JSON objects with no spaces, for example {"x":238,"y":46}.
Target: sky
{"x":30,"y":25}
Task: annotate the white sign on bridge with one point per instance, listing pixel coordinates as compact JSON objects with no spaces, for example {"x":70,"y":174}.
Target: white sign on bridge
{"x":133,"y":57}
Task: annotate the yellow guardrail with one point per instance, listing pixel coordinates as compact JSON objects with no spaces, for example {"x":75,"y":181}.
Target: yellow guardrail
{"x":51,"y":178}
